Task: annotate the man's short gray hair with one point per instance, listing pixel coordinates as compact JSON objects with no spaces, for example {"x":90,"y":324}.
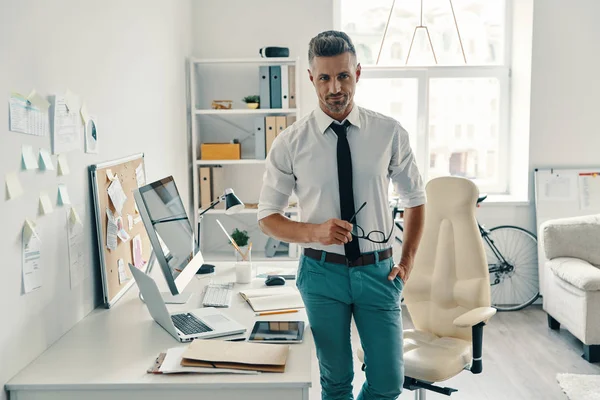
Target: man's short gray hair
{"x":329,"y":44}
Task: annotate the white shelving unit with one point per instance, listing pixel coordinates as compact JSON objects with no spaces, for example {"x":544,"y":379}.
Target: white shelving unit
{"x":229,"y":162}
{"x":248,"y":111}
{"x":198,"y":97}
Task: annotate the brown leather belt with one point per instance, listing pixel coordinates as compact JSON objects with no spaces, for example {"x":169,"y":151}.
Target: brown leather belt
{"x":364,"y":259}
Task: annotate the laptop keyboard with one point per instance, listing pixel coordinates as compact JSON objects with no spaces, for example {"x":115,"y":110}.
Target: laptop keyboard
{"x":189,"y":324}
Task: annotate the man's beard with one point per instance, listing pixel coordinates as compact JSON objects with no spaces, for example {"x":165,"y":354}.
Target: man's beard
{"x":337,"y":106}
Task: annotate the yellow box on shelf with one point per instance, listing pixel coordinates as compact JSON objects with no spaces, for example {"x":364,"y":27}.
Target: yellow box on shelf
{"x":220,"y":151}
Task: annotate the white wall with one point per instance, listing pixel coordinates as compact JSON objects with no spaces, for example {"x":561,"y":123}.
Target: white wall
{"x":127,"y":61}
{"x":565,"y":86}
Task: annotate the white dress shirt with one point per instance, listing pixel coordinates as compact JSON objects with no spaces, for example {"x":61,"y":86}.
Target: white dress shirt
{"x":303,"y":159}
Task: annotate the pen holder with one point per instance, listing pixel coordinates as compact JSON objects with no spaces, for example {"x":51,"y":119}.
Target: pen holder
{"x":243,"y":272}
{"x":246,"y":250}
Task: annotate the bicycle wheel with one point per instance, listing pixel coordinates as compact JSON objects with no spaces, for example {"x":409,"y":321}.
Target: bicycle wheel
{"x":513,"y":263}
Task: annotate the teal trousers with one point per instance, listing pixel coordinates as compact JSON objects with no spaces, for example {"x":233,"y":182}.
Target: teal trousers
{"x":333,"y":294}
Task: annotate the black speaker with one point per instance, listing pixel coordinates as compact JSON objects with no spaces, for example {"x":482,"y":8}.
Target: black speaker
{"x":274,"y":52}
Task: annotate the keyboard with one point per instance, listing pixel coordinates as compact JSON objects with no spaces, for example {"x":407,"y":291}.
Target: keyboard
{"x":218,"y":295}
{"x":189,"y":324}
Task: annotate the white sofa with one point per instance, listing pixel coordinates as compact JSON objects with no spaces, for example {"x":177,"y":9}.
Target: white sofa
{"x":571,"y":284}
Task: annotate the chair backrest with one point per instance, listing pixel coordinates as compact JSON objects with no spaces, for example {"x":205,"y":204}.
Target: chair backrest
{"x":450,"y":274}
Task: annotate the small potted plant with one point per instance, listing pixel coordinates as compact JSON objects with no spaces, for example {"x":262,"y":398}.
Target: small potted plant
{"x":252,"y":101}
{"x":242,"y":240}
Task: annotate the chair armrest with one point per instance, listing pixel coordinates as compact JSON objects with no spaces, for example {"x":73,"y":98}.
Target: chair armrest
{"x":474,"y":317}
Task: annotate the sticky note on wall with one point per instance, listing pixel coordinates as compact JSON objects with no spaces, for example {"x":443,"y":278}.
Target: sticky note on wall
{"x":13,"y":186}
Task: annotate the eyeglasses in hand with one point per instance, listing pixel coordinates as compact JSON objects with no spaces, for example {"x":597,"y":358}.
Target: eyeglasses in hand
{"x":373,"y":236}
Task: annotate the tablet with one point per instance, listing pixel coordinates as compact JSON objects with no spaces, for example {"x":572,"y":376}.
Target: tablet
{"x":277,"y":332}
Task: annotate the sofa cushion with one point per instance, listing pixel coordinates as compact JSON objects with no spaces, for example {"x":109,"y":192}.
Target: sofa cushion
{"x":578,"y":273}
{"x":576,"y":237}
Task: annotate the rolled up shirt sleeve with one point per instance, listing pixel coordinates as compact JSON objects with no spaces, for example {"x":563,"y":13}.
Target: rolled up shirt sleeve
{"x":404,"y":173}
{"x":278,"y":180}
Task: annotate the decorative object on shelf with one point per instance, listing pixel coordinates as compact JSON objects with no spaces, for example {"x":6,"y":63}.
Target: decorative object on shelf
{"x":222,"y":104}
{"x":221,"y":151}
{"x":232,"y":203}
{"x":252,"y":101}
{"x":421,"y":26}
{"x":274,"y":51}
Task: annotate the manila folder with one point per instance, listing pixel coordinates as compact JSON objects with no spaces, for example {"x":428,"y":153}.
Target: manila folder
{"x":236,"y":355}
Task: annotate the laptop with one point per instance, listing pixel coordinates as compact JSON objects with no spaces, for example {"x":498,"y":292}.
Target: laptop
{"x":201,"y":323}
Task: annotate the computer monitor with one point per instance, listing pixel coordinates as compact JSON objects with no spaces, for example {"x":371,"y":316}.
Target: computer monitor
{"x":170,"y":232}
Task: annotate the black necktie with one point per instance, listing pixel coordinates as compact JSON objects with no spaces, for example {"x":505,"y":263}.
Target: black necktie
{"x":344,"y":161}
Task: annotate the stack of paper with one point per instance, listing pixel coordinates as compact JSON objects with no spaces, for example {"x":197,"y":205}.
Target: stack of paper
{"x":170,"y":363}
{"x":221,"y":354}
{"x":273,"y":298}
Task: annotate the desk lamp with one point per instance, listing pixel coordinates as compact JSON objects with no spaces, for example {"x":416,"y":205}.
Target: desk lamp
{"x":233,"y":205}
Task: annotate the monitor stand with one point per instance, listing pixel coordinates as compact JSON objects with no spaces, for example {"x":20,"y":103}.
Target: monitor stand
{"x":181,"y":298}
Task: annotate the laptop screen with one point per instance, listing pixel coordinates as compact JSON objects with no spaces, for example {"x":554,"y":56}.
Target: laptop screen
{"x":170,"y":222}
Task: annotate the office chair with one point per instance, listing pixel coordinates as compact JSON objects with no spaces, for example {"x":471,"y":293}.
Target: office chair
{"x":448,"y":292}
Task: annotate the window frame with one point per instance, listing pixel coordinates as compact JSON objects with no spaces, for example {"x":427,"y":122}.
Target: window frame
{"x":424,"y":74}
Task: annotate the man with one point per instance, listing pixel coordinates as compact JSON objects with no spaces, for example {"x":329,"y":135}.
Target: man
{"x":336,"y":159}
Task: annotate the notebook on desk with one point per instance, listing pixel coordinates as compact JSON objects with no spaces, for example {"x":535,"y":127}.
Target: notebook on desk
{"x":274,"y":298}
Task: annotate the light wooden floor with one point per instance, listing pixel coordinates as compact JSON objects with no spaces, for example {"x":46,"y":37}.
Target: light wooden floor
{"x":521,"y":358}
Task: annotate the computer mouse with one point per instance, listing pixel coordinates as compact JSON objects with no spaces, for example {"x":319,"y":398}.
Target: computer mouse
{"x":274,"y":280}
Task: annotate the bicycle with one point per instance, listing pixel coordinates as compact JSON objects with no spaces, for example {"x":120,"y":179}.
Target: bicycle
{"x":512,"y":257}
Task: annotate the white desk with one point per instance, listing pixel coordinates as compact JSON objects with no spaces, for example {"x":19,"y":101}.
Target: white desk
{"x":106,"y":355}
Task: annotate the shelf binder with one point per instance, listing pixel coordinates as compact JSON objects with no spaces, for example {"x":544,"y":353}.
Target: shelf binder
{"x":285,"y":98}
{"x":260,"y":138}
{"x":271,"y":129}
{"x":205,"y":187}
{"x":264,"y":86}
{"x":292,"y":85}
{"x":275,"y":85}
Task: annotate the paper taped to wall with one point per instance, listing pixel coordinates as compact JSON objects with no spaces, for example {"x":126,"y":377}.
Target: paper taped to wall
{"x":13,"y":186}
{"x":122,"y":273}
{"x":138,"y":260}
{"x":140,"y":177}
{"x":28,"y":115}
{"x":28,"y":159}
{"x":111,"y":231}
{"x":31,"y":256}
{"x":117,"y":196}
{"x":91,"y":135}
{"x":76,"y":237}
{"x":45,"y":204}
{"x":63,"y":165}
{"x":66,"y":123}
{"x":589,"y":191}
{"x":63,"y":195}
{"x":46,"y":160}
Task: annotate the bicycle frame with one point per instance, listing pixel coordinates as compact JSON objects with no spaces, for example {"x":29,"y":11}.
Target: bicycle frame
{"x":485,"y":234}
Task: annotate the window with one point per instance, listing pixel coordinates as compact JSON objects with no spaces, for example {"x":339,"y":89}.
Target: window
{"x":456,"y":113}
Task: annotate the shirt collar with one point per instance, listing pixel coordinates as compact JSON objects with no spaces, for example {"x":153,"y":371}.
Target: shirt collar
{"x":324,"y":120}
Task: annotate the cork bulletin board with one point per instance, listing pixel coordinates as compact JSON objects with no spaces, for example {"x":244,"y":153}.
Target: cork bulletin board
{"x":127,"y":171}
